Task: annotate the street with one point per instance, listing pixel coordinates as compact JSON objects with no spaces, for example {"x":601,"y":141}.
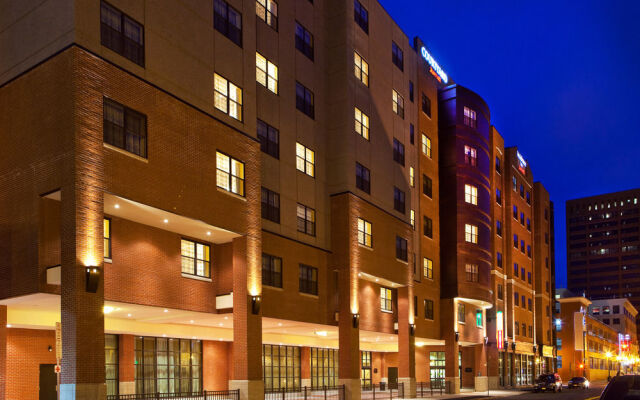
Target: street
{"x":592,"y":393}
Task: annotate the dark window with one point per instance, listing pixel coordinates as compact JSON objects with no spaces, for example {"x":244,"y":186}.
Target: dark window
{"x":124,"y":128}
{"x":499,"y":228}
{"x":308,"y":279}
{"x":398,"y":200}
{"x":515,"y":211}
{"x":546,"y":238}
{"x":304,"y":41}
{"x":228,"y":21}
{"x":500,"y":292}
{"x":401,"y":248}
{"x":529,"y":250}
{"x":363,"y":178}
{"x":271,"y":270}
{"x":529,"y":277}
{"x":411,"y":134}
{"x":270,"y":205}
{"x":516,"y":269}
{"x":529,"y":224}
{"x":499,"y":259}
{"x":426,"y":105}
{"x":427,"y":186}
{"x":304,"y":100}
{"x":616,"y":309}
{"x":267,"y":10}
{"x":398,"y":152}
{"x":428,"y":227}
{"x":499,"y":196}
{"x":397,"y":57}
{"x":269,"y":139}
{"x":522,"y":245}
{"x":306,"y":220}
{"x":361,"y":16}
{"x":471,"y":271}
{"x":428,"y":309}
{"x":196,"y":258}
{"x":121,"y":34}
{"x":522,"y":218}
{"x":515,"y":240}
{"x":522,"y":190}
{"x":522,"y":275}
{"x":516,"y":300}
{"x":498,"y":165}
{"x":528,"y":196}
{"x":411,"y":91}
{"x":616,"y":321}
{"x":546,"y":213}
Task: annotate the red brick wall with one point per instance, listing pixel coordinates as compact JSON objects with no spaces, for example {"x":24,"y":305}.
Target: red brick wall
{"x":26,"y":350}
{"x":126,"y":358}
{"x":215,"y":368}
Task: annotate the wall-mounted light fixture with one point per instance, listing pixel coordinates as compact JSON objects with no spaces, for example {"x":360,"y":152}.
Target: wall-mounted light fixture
{"x":486,"y":340}
{"x":513,"y":346}
{"x":355,"y":320}
{"x":506,"y":344}
{"x":255,"y":304}
{"x":92,"y":279}
{"x":49,"y":349}
{"x":412,"y":329}
{"x":535,"y":348}
{"x":457,"y":336}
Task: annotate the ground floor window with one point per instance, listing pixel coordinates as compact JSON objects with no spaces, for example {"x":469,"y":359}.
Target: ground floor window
{"x":164,"y":365}
{"x":281,"y":367}
{"x":501,"y":369}
{"x":111,"y":363}
{"x":509,"y":380}
{"x":516,"y":359}
{"x":365,"y":369}
{"x":436,"y":369}
{"x":324,"y":367}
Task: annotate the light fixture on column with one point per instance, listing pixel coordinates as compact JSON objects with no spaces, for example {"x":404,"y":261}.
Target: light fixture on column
{"x":457,"y":336}
{"x":255,"y":304}
{"x":506,"y":344}
{"x":534,"y":349}
{"x":412,"y":329}
{"x":92,"y":279}
{"x":486,"y":340}
{"x":355,"y":320}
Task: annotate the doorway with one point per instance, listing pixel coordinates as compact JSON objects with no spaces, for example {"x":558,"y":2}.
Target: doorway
{"x":392,"y":374}
{"x":48,"y":382}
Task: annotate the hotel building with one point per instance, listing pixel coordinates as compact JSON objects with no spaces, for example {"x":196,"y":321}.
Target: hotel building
{"x":255,"y":196}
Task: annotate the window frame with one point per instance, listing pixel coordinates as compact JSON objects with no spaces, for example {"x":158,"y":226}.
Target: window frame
{"x":268,"y":209}
{"x":401,"y":249}
{"x":309,"y":166}
{"x":365,"y":232}
{"x":117,"y":40}
{"x":125,"y":131}
{"x":398,"y":103}
{"x":267,"y":143}
{"x":206,"y":263}
{"x":471,"y":194}
{"x":270,"y":276}
{"x":306,"y":282}
{"x":471,"y":272}
{"x":427,"y":268}
{"x":362,"y":123}
{"x":386,"y":299}
{"x":471,"y":233}
{"x":428,"y":309}
{"x":270,"y":17}
{"x":309,"y":225}
{"x":359,"y":72}
{"x":304,"y":46}
{"x":305,"y":100}
{"x":362,"y":19}
{"x":267,"y":73}
{"x":362,"y":183}
{"x":107,"y":238}
{"x":229,"y":102}
{"x":397,"y":56}
{"x":223,"y":24}
{"x":230,"y":174}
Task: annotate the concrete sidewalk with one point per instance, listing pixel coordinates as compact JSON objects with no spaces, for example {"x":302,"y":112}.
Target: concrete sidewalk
{"x":476,"y":395}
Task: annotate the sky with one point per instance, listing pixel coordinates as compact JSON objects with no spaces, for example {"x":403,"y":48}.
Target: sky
{"x":562,"y":81}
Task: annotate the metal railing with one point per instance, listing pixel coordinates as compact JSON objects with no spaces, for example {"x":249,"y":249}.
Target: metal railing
{"x":206,"y":395}
{"x":306,"y":393}
{"x":382,"y":391}
{"x":439,"y":386}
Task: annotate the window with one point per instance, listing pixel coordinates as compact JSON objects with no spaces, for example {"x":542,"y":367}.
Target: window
{"x":515,"y":240}
{"x":280,"y":367}
{"x":364,"y":233}
{"x":428,"y":309}
{"x":616,"y":321}
{"x":107,"y":238}
{"x":529,"y":304}
{"x":516,"y":300}
{"x":398,"y":152}
{"x":269,"y":139}
{"x":499,"y":196}
{"x":469,"y":117}
{"x":228,"y":97}
{"x":361,"y":68}
{"x":111,"y":364}
{"x":266,"y":73}
{"x":124,"y":128}
{"x":616,"y":309}
{"x":515,"y":212}
{"x":517,"y":326}
{"x":428,"y":227}
{"x":271,"y":270}
{"x":528,"y":197}
{"x":398,"y":200}
{"x":363,"y":178}
{"x":529,"y":250}
{"x":228,"y":21}
{"x":401,"y":248}
{"x":530,"y":330}
{"x":546,"y":237}
{"x":195,"y":258}
{"x":426,"y":105}
{"x":270,"y":205}
{"x":362,"y":123}
{"x":397,"y":57}
{"x":411,"y":91}
{"x":471,"y":194}
{"x":412,"y":219}
{"x":471,"y":233}
{"x":304,"y":100}
{"x":361,"y":16}
{"x":365,"y":369}
{"x":412,"y":180}
{"x":471,"y":272}
{"x":470,"y":156}
{"x":498,"y":165}
{"x":411,"y":134}
{"x":121,"y":34}
{"x":427,"y":186}
{"x":522,"y":218}
{"x":230,"y":174}
{"x":500,"y":292}
{"x":516,"y":269}
{"x":305,"y":160}
{"x":522,"y":190}
{"x":499,"y":228}
{"x":522,"y":245}
{"x":427,"y":268}
{"x":306,"y":220}
{"x":267,"y":10}
{"x":386,"y":299}
{"x":515,"y":184}
{"x":479,"y":318}
{"x":426,"y":145}
{"x":398,"y":104}
{"x":461,"y":313}
{"x":324,"y":367}
{"x":304,"y":41}
{"x":499,"y":259}
{"x":529,"y":277}
{"x":529,"y":224}
{"x":308,"y":279}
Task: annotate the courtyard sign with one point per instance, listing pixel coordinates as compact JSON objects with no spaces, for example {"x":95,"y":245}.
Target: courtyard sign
{"x":436,"y":70}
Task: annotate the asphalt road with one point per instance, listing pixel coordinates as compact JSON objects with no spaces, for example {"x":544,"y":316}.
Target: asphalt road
{"x":566,"y":394}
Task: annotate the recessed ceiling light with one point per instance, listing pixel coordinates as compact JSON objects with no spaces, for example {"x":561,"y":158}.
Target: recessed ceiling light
{"x":321,"y":333}
{"x":226,"y":317}
{"x":117,"y":206}
{"x":129,"y":315}
{"x":279,"y":323}
{"x":220,"y":324}
{"x":8,"y":325}
{"x":208,"y":233}
{"x":377,"y":279}
{"x":191,"y":322}
{"x":165,"y":310}
{"x":107,"y":309}
{"x":164,"y":335}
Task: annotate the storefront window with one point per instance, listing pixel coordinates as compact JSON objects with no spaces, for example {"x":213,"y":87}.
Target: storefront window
{"x":324,"y":367}
{"x":501,"y":369}
{"x":281,"y":367}
{"x":111,"y":363}
{"x":436,"y":367}
{"x":365,"y":369}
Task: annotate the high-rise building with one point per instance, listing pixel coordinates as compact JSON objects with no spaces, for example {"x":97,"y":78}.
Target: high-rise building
{"x":256,"y":196}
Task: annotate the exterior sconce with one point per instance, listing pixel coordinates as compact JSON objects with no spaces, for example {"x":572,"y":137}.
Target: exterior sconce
{"x":255,"y":304}
{"x":49,"y":349}
{"x":513,"y":346}
{"x":355,"y":320}
{"x":486,"y":340}
{"x":506,"y":344}
{"x":535,"y":348}
{"x":412,"y":329}
{"x":457,"y":336}
{"x":92,"y":279}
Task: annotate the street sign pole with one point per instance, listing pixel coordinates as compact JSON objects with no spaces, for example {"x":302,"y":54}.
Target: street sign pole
{"x":58,"y":357}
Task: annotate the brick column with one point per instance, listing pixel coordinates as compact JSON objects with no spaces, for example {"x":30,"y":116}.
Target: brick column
{"x":349,"y":336}
{"x":305,"y":366}
{"x":406,"y":342}
{"x":247,"y":326}
{"x":451,"y":348}
{"x":481,"y":382}
{"x":126,"y":364}
{"x":3,"y":352}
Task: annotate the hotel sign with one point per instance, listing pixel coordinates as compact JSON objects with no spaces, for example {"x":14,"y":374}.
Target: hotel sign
{"x":499,"y":329}
{"x":435,"y":69}
{"x":522,"y":163}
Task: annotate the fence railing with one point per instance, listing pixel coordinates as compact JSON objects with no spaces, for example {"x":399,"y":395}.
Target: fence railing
{"x":306,"y":393}
{"x":382,"y":391}
{"x":206,"y":395}
{"x":439,"y":386}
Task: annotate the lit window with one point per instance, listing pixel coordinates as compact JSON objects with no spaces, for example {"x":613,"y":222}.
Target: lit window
{"x":107,"y":238}
{"x":228,"y":97}
{"x":364,"y":233}
{"x":195,"y":258}
{"x":230,"y":174}
{"x":413,"y":219}
{"x":479,"y":318}
{"x":267,"y":10}
{"x":412,"y":181}
{"x":471,"y":233}
{"x":426,"y":145}
{"x":471,"y":194}
{"x":469,"y":117}
{"x":305,"y":160}
{"x":306,"y":220}
{"x":266,"y":73}
{"x":385,"y":299}
{"x":472,"y":272}
{"x":427,"y":268}
{"x":470,"y":156}
{"x":398,"y":104}
{"x":362,"y":123}
{"x":461,"y":313}
{"x":361,"y":68}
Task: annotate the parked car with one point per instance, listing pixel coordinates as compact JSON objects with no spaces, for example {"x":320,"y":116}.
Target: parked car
{"x":626,"y":387}
{"x":548,"y":383}
{"x":578,"y":382}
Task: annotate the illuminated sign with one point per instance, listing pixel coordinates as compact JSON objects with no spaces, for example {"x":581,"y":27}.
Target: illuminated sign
{"x":436,"y":70}
{"x":522,"y":163}
{"x":499,"y":329}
